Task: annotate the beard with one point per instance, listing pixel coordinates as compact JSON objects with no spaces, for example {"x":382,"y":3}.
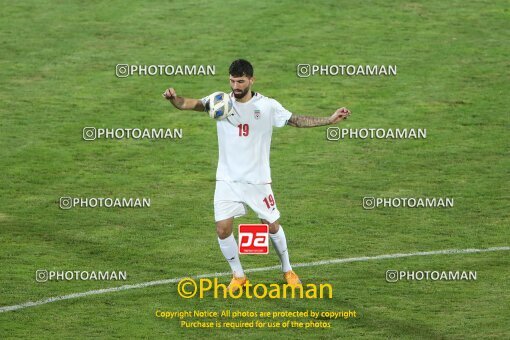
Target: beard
{"x":239,"y":95}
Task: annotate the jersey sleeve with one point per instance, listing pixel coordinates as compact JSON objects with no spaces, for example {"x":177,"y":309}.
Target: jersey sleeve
{"x":280,"y":114}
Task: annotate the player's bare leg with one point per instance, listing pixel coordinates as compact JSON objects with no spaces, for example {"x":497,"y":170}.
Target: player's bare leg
{"x":228,"y":246}
{"x":224,"y":228}
{"x":280,"y":244}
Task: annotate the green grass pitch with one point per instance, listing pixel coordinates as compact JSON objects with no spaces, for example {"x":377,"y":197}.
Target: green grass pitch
{"x":57,"y":76}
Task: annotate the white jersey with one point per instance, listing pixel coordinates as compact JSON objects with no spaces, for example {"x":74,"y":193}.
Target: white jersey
{"x":244,"y":139}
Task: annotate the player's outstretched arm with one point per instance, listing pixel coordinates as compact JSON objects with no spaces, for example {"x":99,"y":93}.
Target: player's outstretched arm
{"x":182,"y":103}
{"x":306,"y":121}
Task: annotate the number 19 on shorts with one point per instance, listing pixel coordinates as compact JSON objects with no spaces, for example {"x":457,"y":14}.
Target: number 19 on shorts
{"x":253,"y":239}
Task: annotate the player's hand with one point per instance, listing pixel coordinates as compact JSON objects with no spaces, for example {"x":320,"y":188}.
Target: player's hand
{"x":339,"y":115}
{"x":169,"y":93}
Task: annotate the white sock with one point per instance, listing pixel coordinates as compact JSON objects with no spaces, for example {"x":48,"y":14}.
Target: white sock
{"x":280,"y":244}
{"x":229,"y":249}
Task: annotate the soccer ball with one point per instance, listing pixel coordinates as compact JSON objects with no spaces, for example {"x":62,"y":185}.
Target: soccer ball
{"x":220,"y":105}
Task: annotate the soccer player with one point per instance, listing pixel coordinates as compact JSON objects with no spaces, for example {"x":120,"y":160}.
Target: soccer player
{"x":243,"y":176}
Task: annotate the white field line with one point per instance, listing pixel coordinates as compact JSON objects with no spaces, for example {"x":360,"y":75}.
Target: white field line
{"x":262,"y":269}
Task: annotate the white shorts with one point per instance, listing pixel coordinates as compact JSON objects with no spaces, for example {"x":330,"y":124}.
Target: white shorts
{"x":231,"y":199}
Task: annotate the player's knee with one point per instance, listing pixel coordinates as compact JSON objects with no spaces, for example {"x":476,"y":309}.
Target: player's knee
{"x":223,"y":231}
{"x":274,"y":227}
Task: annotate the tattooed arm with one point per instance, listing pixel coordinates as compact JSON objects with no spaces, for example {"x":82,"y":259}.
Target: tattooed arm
{"x":306,"y":121}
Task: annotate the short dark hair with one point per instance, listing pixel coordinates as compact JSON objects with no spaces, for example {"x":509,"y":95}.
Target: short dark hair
{"x":241,"y":68}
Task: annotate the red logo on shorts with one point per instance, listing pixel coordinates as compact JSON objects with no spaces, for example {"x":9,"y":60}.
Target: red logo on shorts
{"x":253,"y":239}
